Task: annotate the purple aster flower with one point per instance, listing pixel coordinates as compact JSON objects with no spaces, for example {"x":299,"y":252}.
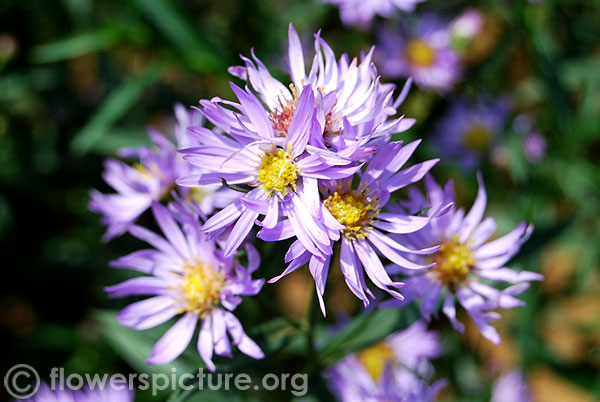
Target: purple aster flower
{"x":423,"y":53}
{"x":395,"y":369}
{"x":466,"y":262}
{"x":187,"y":274}
{"x":107,"y":394}
{"x":467,"y":130}
{"x":511,"y":387}
{"x":534,"y":146}
{"x":360,"y":13}
{"x":357,"y":218}
{"x":465,"y":28}
{"x":280,"y":168}
{"x":343,"y":89}
{"x":152,"y":178}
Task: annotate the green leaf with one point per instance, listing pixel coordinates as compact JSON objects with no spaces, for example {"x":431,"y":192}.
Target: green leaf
{"x":114,"y":107}
{"x":235,"y":187}
{"x":179,"y":31}
{"x":361,"y":332}
{"x":116,"y":139}
{"x":75,"y":45}
{"x":135,"y":346}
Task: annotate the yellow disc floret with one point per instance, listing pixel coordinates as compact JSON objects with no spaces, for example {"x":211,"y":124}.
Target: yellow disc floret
{"x":419,"y":53}
{"x":352,"y":209}
{"x":454,"y":262}
{"x":201,"y":287}
{"x":277,"y":171}
{"x":478,"y":137}
{"x":198,"y":194}
{"x":375,"y":358}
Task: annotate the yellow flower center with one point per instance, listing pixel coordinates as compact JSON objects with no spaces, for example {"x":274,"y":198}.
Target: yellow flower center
{"x":454,"y":262}
{"x":374,"y":359}
{"x":419,"y":53}
{"x":153,"y":172}
{"x":478,"y":137}
{"x":198,"y":194}
{"x":352,"y":209}
{"x":201,"y":287}
{"x":277,"y":171}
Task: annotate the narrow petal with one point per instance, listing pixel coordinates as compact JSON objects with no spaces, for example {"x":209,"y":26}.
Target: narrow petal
{"x":174,"y":341}
{"x":510,"y":275}
{"x":476,"y":213}
{"x":506,"y":245}
{"x":169,"y":227}
{"x":349,"y":267}
{"x":224,"y":218}
{"x":319,"y":268}
{"x":374,"y":268}
{"x":240,"y":231}
{"x":138,"y":286}
{"x":299,"y":128}
{"x":296,"y":57}
{"x":147,"y":313}
{"x":393,"y":255}
{"x":205,"y":342}
{"x":255,"y":111}
{"x":281,"y":231}
{"x":240,"y":339}
{"x":220,"y":339}
{"x":449,"y":310}
{"x":272,"y":215}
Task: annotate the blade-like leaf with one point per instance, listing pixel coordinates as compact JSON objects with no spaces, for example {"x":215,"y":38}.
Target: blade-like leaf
{"x":113,"y":108}
{"x":76,"y":45}
{"x":174,"y":26}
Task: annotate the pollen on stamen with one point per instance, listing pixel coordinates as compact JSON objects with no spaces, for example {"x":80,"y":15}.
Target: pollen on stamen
{"x":354,"y":210}
{"x":454,"y":262}
{"x":277,"y":172}
{"x":281,"y":117}
{"x":201,"y":287}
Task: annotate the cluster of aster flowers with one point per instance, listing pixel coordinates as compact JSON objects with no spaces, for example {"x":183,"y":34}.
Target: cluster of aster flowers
{"x":311,"y":161}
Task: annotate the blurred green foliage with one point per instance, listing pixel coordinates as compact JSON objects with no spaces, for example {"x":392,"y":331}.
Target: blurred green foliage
{"x":82,"y":78}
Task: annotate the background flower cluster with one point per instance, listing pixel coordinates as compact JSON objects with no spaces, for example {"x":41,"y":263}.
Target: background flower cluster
{"x":399,"y":185}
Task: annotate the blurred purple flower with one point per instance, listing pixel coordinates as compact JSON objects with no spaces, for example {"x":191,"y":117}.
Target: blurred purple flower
{"x":467,"y":130}
{"x":423,"y":52}
{"x":511,"y":387}
{"x":360,"y":13}
{"x":465,"y":262}
{"x":534,"y":146}
{"x":187,"y":274}
{"x":106,"y":394}
{"x":465,"y":28}
{"x":152,"y":178}
{"x":357,"y":218}
{"x":395,"y":369}
{"x":468,"y":24}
